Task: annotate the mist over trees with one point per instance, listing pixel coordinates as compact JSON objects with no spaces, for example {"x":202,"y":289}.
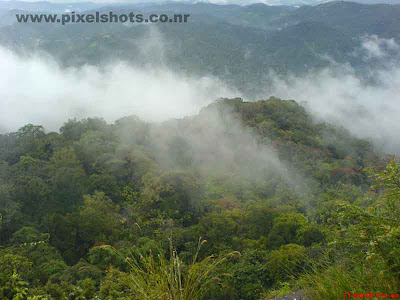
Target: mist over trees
{"x":138,"y":161}
{"x":262,"y":179}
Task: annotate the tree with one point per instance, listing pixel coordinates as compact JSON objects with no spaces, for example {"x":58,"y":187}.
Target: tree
{"x":29,"y":140}
{"x":13,"y":271}
{"x":8,"y":209}
{"x":92,"y":149}
{"x":376,"y":228}
{"x":285,"y":229}
{"x":104,"y":256}
{"x":99,"y":219}
{"x":180,"y":152}
{"x":285,"y":262}
{"x":68,"y":180}
{"x":31,"y":186}
{"x":175,"y":194}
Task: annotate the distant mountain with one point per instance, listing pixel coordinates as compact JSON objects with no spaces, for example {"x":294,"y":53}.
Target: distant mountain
{"x":354,"y":18}
{"x":62,"y":5}
{"x":240,"y":44}
{"x":317,"y":2}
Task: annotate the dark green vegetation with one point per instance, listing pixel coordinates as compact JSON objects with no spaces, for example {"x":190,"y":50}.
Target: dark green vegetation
{"x":239,"y":44}
{"x":91,"y":212}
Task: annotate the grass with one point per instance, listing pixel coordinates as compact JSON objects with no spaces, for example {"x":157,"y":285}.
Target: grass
{"x":157,"y":278}
{"x":331,"y":282}
{"x":283,"y":289}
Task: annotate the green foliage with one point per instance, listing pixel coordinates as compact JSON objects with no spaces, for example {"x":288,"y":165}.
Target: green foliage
{"x":221,"y":229}
{"x":376,"y":229}
{"x":326,"y":280}
{"x":286,"y":229}
{"x":68,"y":178}
{"x":283,"y":289}
{"x":14,"y":288}
{"x":367,"y":232}
{"x":12,"y":284}
{"x":28,"y":235}
{"x":270,"y":183}
{"x":250,"y":276}
{"x":105,"y":256}
{"x":157,"y":277}
{"x":116,"y":285}
{"x":175,"y":194}
{"x":240,"y":44}
{"x":11,"y":263}
{"x":285,"y":262}
{"x":80,"y":271}
{"x":9,"y":208}
{"x":99,"y":220}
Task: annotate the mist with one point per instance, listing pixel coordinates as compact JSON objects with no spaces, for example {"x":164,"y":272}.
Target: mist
{"x":369,"y":109}
{"x":216,"y":145}
{"x":35,"y":89}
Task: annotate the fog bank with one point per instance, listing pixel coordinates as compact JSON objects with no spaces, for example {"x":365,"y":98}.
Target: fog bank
{"x":37,"y":90}
{"x":338,"y":95}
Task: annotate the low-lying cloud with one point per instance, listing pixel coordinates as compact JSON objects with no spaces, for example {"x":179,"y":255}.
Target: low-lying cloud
{"x":37,"y":90}
{"x":339,"y":95}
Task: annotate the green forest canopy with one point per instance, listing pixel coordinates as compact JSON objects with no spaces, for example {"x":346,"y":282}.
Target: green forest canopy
{"x":101,"y":211}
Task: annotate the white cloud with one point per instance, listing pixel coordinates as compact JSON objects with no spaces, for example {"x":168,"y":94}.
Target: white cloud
{"x":376,"y":47}
{"x":368,"y":109}
{"x":36,"y":90}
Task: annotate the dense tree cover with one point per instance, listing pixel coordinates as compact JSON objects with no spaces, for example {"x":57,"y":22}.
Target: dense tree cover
{"x":116,"y":211}
{"x":241,"y":45}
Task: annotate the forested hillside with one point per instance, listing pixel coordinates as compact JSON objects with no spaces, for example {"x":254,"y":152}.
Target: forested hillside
{"x":245,"y":200}
{"x":241,"y":45}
